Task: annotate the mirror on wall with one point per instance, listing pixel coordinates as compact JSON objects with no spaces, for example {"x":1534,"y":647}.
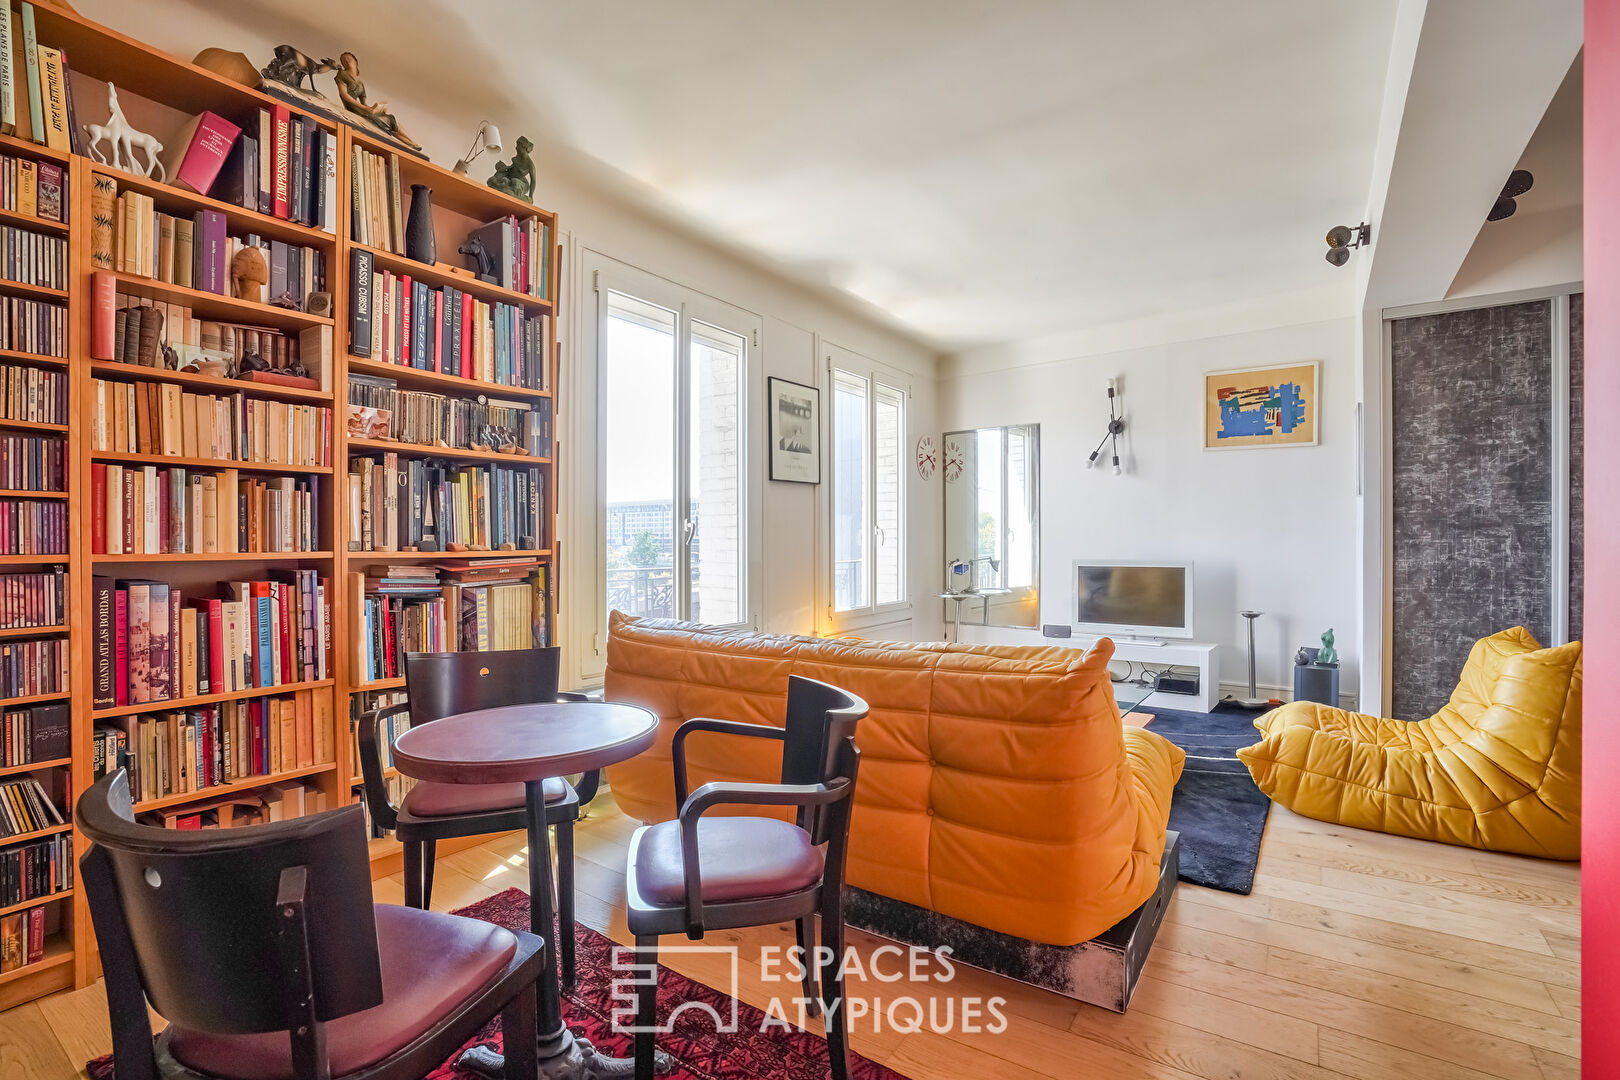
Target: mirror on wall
{"x":992,"y":525}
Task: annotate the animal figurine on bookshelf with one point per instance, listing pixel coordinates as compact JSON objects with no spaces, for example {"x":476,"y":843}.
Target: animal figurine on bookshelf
{"x":124,"y":140}
{"x":249,"y":273}
{"x":475,"y":250}
{"x":290,"y":67}
{"x":516,"y":177}
{"x":352,"y":92}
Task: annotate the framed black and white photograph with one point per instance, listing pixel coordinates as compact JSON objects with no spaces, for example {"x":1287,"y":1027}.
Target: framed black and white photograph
{"x":795,"y":431}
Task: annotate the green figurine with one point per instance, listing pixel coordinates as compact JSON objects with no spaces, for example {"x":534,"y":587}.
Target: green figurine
{"x":516,"y":177}
{"x":1328,"y":655}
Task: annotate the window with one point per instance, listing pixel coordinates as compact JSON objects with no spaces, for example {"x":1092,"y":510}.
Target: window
{"x":868,"y":486}
{"x":1004,"y":483}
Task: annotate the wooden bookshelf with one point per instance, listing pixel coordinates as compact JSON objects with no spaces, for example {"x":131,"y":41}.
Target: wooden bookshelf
{"x":152,"y":83}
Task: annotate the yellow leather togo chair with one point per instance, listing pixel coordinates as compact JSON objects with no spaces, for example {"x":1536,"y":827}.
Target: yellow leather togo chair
{"x":1499,"y":767}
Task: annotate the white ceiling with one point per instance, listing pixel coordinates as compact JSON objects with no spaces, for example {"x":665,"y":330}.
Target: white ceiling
{"x":977,"y":172}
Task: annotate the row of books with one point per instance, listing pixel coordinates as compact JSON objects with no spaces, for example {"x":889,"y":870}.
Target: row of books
{"x":163,"y":419}
{"x":157,"y":333}
{"x":427,"y":505}
{"x":39,"y":732}
{"x":33,"y":599}
{"x":33,"y":527}
{"x":23,"y":935}
{"x":25,"y":807}
{"x":36,"y":87}
{"x":36,"y":870}
{"x":149,"y":510}
{"x":30,"y":668}
{"x":274,"y":802}
{"x":283,"y":165}
{"x":397,"y":320}
{"x":152,"y":644}
{"x":396,"y":786}
{"x":189,"y":750}
{"x":33,"y":326}
{"x":34,"y":188}
{"x":33,"y":395}
{"x":379,"y":409}
{"x":376,"y":202}
{"x":199,"y":253}
{"x":408,"y":609}
{"x":32,"y":258}
{"x":521,"y":251}
{"x":33,"y":463}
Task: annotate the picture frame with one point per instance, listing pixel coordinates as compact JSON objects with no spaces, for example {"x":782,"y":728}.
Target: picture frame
{"x":795,"y":431}
{"x":1269,"y":405}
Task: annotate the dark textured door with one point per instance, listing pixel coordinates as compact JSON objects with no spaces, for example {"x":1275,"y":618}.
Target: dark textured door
{"x":1473,"y":466}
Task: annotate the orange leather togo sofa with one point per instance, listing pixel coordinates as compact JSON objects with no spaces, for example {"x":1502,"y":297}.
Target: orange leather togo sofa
{"x":997,"y":785}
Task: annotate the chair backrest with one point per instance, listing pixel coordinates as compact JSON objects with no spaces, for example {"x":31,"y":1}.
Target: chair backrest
{"x":443,"y":684}
{"x":190,"y":918}
{"x":820,"y":747}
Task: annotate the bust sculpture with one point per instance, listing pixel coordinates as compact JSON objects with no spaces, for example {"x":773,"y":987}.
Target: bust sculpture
{"x":1328,"y":655}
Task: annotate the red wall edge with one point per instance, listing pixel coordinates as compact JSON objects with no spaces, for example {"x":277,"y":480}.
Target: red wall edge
{"x":1600,"y":832}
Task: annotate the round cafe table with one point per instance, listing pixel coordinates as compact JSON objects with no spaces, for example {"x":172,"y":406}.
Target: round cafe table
{"x":526,"y":744}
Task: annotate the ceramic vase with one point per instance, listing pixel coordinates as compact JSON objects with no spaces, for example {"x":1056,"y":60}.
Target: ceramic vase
{"x":419,"y":243}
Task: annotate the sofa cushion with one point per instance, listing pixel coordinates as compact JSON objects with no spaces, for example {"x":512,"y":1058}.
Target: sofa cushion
{"x":996,"y":785}
{"x":739,"y":858}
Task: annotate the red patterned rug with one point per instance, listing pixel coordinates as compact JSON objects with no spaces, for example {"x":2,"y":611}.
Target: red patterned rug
{"x":755,"y":1050}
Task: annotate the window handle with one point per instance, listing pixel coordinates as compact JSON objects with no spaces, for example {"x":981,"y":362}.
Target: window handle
{"x":882,"y":538}
{"x":687,"y":530}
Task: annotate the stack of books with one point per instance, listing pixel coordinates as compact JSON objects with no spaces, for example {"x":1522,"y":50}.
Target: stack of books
{"x":22,"y":938}
{"x":151,"y":644}
{"x":33,"y":188}
{"x":33,"y":527}
{"x":26,"y":808}
{"x":27,"y":669}
{"x":33,"y":395}
{"x":379,"y":408}
{"x":38,"y":733}
{"x":426,"y":505}
{"x":397,"y":320}
{"x":149,"y":510}
{"x":519,"y":249}
{"x":161,"y":418}
{"x":35,"y":599}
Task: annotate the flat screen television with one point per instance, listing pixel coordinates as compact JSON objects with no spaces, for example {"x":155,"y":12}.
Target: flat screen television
{"x":1147,"y":599}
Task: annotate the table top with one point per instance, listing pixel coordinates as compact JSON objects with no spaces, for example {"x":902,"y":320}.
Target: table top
{"x":524,"y":742}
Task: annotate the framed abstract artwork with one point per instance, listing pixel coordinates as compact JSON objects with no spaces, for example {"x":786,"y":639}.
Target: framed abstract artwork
{"x":1262,"y":406}
{"x":795,"y":412}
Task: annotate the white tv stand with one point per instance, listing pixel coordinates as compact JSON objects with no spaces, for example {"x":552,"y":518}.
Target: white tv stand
{"x":1157,"y":653}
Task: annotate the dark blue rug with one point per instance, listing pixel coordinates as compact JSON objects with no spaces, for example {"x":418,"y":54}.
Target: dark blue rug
{"x":1216,"y":808}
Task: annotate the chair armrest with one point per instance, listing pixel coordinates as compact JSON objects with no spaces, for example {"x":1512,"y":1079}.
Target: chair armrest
{"x":677,"y":745}
{"x":384,"y":814}
{"x":715,"y":794}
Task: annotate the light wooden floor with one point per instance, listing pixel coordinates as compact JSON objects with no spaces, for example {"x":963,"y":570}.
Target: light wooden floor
{"x":1358,"y":955}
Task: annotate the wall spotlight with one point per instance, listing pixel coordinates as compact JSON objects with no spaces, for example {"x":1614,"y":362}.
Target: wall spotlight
{"x":487,"y":137}
{"x":1519,"y":181}
{"x":1341,"y":238}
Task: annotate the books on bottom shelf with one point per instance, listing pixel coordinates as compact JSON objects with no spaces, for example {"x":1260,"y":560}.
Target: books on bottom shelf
{"x":26,"y":807}
{"x":38,"y":732}
{"x":32,"y":188}
{"x":36,"y":870}
{"x":151,"y":644}
{"x":184,"y":751}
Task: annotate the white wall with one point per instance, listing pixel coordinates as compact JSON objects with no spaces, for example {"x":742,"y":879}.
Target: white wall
{"x":794,"y":316}
{"x":1272,"y":529}
{"x":1525,"y":251}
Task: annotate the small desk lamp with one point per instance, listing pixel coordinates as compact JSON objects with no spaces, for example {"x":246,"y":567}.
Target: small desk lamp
{"x":487,"y":137}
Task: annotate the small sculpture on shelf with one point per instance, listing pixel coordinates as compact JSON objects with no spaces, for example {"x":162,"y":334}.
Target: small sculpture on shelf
{"x":475,"y":250}
{"x":353,"y":94}
{"x":516,"y":177}
{"x":124,"y":140}
{"x":1329,"y":656}
{"x":248,"y":274}
{"x":251,"y":361}
{"x":291,"y":67}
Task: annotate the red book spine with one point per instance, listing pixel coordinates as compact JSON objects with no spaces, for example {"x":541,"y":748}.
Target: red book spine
{"x":216,"y":646}
{"x":98,"y":509}
{"x":121,"y":647}
{"x":280,"y":119}
{"x":405,"y":322}
{"x":289,"y":651}
{"x":439,"y":319}
{"x":129,"y":510}
{"x":256,"y":737}
{"x":104,"y":303}
{"x":466,"y":336}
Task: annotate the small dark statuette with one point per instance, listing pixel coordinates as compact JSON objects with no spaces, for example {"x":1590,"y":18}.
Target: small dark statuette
{"x":285,"y":300}
{"x":291,"y":67}
{"x":251,"y":362}
{"x":516,"y":177}
{"x":474,"y":249}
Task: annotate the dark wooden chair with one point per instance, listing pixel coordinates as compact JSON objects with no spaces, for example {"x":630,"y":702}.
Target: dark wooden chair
{"x":443,"y":684}
{"x":263,"y":950}
{"x":695,"y":874}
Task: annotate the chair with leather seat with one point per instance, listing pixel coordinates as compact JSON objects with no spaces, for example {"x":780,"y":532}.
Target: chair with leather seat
{"x":443,"y":684}
{"x":262,"y":948}
{"x":696,"y":874}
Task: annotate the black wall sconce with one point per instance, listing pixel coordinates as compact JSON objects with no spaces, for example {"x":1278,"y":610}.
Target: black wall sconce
{"x":1116,"y":428}
{"x":1519,"y":181}
{"x":1341,"y":238}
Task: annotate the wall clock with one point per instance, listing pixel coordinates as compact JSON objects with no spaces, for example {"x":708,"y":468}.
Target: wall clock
{"x":955,"y":459}
{"x":927,"y":457}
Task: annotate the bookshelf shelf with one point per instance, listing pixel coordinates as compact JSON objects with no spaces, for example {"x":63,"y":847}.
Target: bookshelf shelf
{"x":369,"y":558}
{"x":437,"y":275}
{"x":29,"y":148}
{"x":171,"y":199}
{"x":209,"y":463}
{"x":35,"y":766}
{"x":14,"y":493}
{"x":55,"y":559}
{"x":33,"y":699}
{"x":44,"y":292}
{"x":30,"y":425}
{"x":176,"y":704}
{"x":380,"y":684}
{"x":113,"y":369}
{"x":37,"y":834}
{"x":249,"y":784}
{"x":32,"y":221}
{"x":416,"y":450}
{"x":11,"y":356}
{"x":31,"y":631}
{"x":452,"y":191}
{"x":207,"y":305}
{"x":218,"y":556}
{"x":62,"y":894}
{"x":58,"y":951}
{"x":417,"y":379}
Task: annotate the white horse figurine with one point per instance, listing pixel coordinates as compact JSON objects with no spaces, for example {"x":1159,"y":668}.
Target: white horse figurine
{"x":124,"y":139}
